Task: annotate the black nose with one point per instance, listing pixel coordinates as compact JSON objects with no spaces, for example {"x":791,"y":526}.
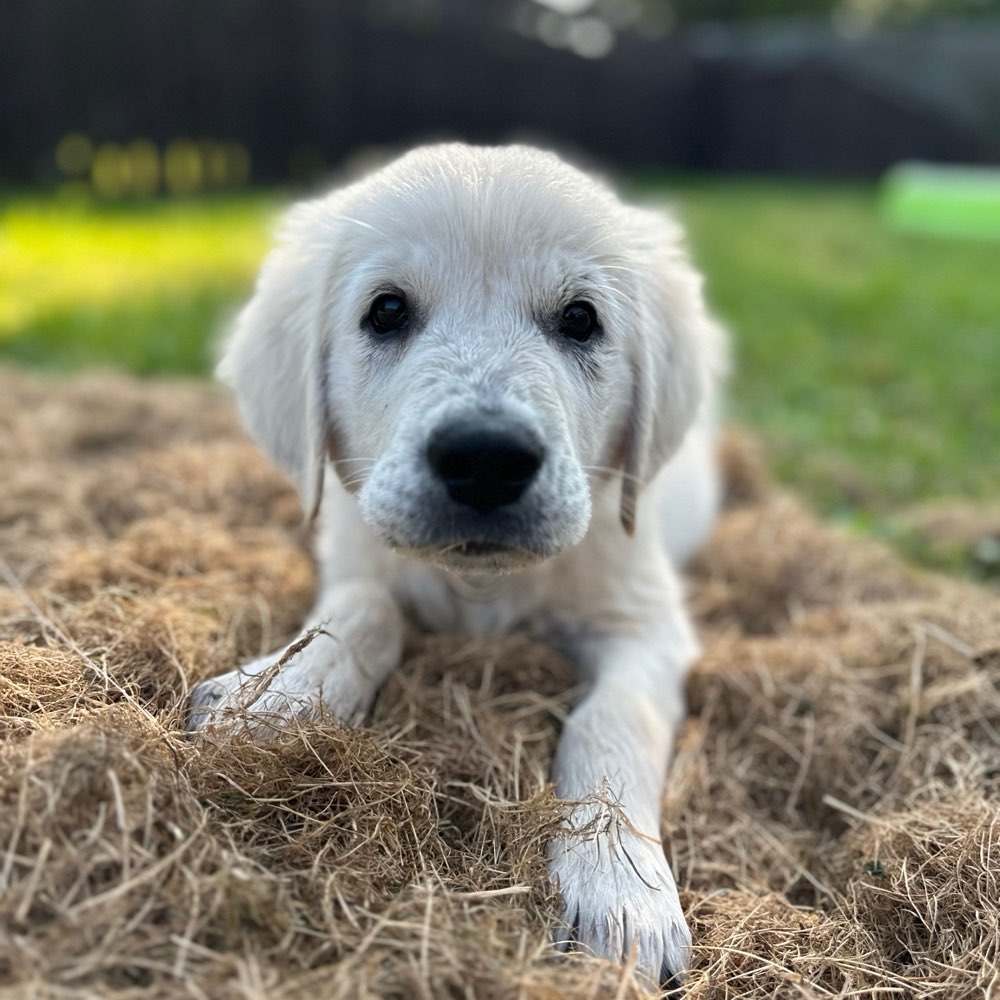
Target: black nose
{"x":484,"y":468}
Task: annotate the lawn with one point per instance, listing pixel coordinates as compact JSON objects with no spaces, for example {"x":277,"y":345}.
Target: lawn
{"x":869,"y":360}
{"x":143,"y":286}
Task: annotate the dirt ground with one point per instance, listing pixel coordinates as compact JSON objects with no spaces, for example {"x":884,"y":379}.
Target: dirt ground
{"x":832,"y":812}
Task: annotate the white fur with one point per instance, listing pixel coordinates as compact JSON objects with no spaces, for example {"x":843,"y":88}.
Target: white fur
{"x":488,"y":245}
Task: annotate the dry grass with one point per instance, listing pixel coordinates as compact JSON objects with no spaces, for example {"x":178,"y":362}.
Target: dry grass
{"x":833,"y":808}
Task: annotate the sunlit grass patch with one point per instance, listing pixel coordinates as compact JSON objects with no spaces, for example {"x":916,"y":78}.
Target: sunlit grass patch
{"x":139,"y":285}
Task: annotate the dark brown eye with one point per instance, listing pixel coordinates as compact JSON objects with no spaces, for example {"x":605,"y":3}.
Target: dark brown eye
{"x":388,"y":313}
{"x":578,"y":321}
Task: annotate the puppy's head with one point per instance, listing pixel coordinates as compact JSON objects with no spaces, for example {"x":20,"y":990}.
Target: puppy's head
{"x":477,"y":338}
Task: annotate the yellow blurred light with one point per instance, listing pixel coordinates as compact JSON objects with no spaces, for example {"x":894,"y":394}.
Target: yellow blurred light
{"x":74,"y":153}
{"x":183,"y":167}
{"x":110,"y":172}
{"x":144,"y":165}
{"x":216,"y":166}
{"x":237,"y":164}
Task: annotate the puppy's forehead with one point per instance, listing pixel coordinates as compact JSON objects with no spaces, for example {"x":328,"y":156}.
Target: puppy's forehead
{"x":503,"y":207}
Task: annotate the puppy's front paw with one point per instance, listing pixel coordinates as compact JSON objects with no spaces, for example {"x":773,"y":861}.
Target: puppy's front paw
{"x":620,"y":898}
{"x":313,"y":674}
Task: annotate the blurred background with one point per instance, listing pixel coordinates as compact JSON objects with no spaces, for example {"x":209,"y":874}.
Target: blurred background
{"x":146,"y":146}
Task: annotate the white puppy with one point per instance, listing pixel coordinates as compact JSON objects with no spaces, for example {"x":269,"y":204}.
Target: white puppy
{"x":498,"y":380}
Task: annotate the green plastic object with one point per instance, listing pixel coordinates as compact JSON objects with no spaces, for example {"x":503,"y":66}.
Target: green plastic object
{"x":943,"y":201}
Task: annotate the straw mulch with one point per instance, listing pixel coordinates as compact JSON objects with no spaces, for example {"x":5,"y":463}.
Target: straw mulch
{"x":833,"y":809}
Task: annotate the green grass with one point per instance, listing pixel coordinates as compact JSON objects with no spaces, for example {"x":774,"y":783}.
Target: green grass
{"x":142,"y":286}
{"x":868,"y":359}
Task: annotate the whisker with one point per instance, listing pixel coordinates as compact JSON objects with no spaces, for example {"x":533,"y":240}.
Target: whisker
{"x":619,"y":267}
{"x":356,"y":222}
{"x":353,"y":481}
{"x":613,"y":471}
{"x":615,"y":295}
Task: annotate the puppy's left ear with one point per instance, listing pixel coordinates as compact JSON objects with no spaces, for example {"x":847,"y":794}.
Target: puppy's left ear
{"x":678,"y":356}
{"x":276,"y":360}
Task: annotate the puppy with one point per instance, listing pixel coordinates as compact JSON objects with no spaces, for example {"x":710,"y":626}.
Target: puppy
{"x":494,"y":383}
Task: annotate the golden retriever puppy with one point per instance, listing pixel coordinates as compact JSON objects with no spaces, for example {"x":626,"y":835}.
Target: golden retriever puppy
{"x":494,"y":383}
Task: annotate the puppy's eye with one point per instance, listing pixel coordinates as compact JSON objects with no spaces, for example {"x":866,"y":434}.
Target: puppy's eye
{"x":388,"y":313}
{"x":578,"y":321}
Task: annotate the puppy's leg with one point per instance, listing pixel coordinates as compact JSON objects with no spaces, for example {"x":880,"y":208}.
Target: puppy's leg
{"x":353,"y":640}
{"x":618,"y":890}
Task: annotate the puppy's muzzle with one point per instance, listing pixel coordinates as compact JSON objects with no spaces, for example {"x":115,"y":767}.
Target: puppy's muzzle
{"x":482,"y":467}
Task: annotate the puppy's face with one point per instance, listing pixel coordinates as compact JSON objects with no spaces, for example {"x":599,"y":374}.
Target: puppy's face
{"x":479,"y":363}
{"x":478,"y":335}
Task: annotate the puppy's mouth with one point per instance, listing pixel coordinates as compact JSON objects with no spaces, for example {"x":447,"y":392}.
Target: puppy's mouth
{"x":477,"y":550}
{"x":473,"y":555}
{"x":480,"y":556}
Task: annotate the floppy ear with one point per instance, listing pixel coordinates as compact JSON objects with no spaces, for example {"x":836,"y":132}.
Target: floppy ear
{"x":276,"y":360}
{"x":678,"y":355}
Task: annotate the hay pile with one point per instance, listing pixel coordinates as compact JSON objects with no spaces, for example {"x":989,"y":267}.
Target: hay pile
{"x":833,"y":809}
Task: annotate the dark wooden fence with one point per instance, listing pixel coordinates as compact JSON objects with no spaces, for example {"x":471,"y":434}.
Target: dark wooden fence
{"x":308,"y":81}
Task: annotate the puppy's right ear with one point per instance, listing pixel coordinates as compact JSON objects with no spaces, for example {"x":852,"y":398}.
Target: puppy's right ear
{"x":276,"y":360}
